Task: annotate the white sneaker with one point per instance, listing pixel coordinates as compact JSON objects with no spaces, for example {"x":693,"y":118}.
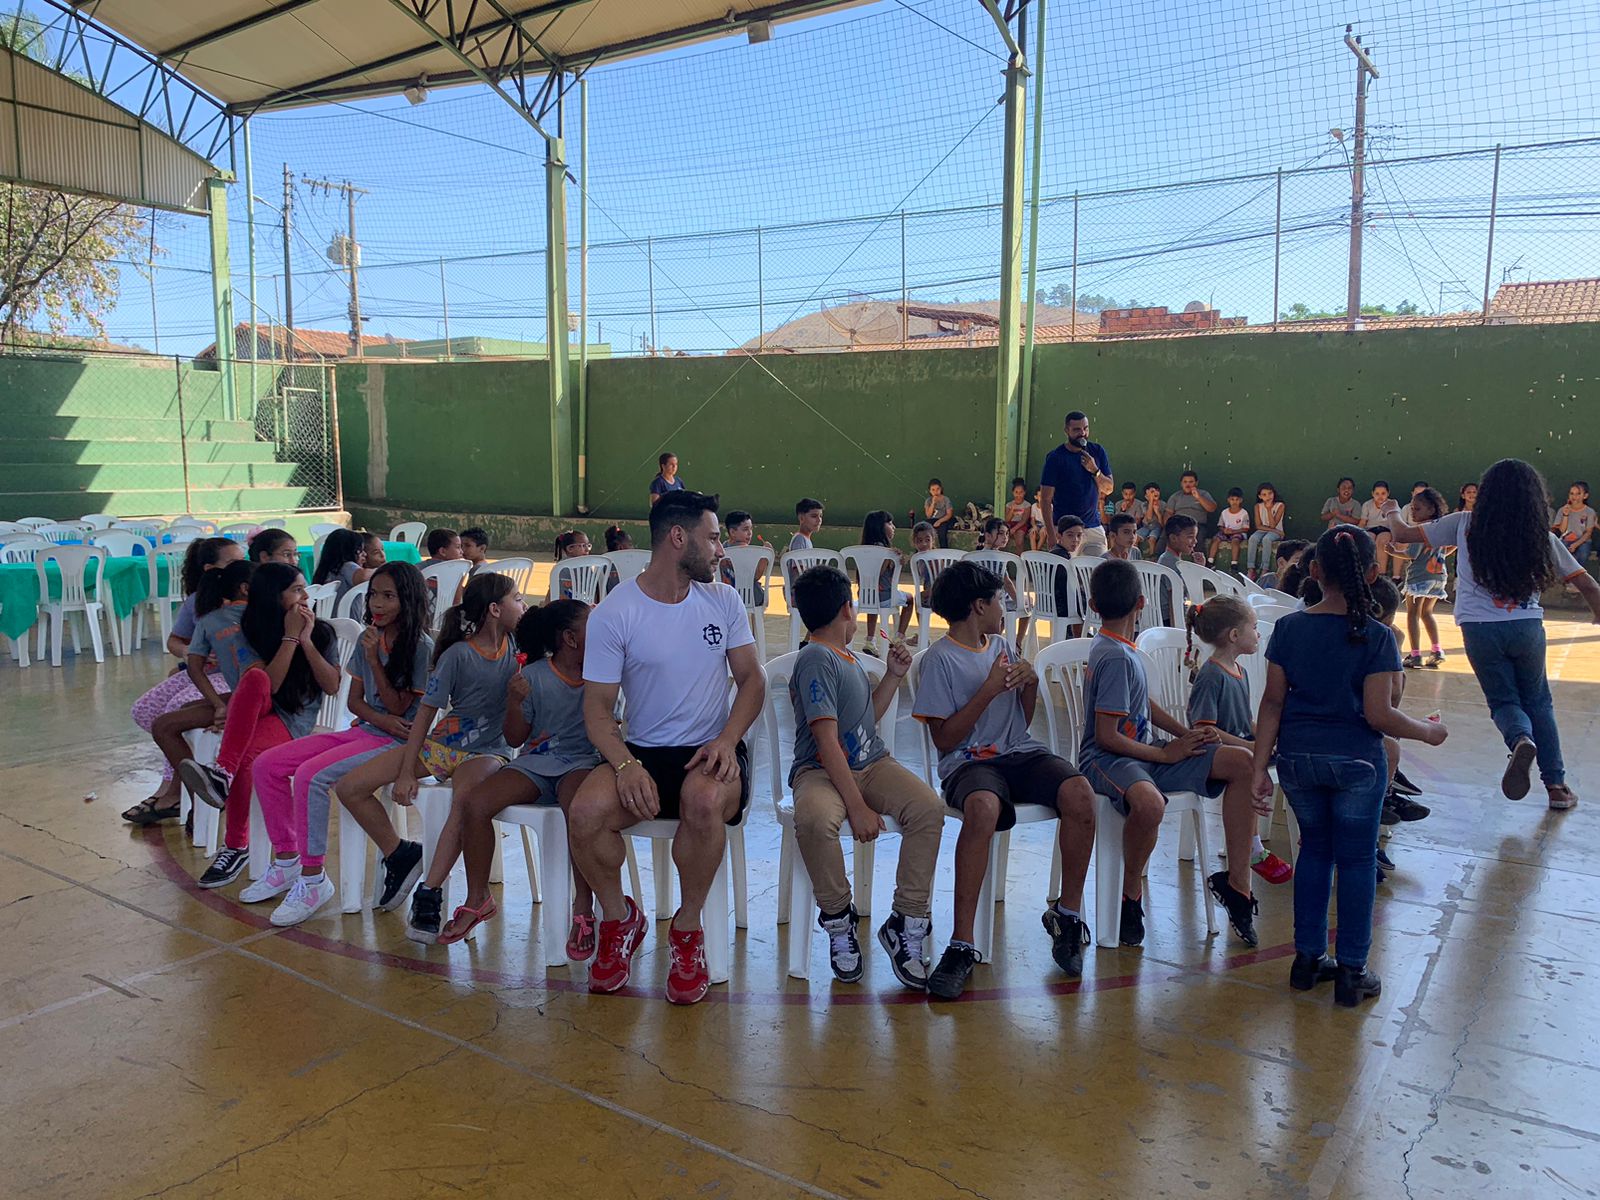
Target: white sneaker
{"x":278,"y":880}
{"x":303,"y":901}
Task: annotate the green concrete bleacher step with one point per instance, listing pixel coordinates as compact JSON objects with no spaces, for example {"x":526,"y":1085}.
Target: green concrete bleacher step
{"x":132,"y":450}
{"x":120,"y":429}
{"x":155,"y":501}
{"x":116,"y":477}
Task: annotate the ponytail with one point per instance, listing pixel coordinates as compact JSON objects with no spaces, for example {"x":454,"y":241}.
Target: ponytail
{"x":614,"y":536}
{"x":1345,"y":553}
{"x":539,"y":632}
{"x":201,"y":554}
{"x":563,"y":541}
{"x":218,"y":587}
{"x":465,"y":619}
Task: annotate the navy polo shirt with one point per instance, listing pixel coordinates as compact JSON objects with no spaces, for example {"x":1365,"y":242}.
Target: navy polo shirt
{"x":1076,"y":492}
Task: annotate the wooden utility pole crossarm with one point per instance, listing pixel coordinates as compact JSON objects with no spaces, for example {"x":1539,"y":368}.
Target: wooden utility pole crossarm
{"x":351,"y":254}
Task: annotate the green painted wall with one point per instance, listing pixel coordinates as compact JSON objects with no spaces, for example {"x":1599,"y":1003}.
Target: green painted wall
{"x":1302,"y":409}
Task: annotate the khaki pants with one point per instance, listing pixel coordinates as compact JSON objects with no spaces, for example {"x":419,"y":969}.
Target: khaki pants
{"x":890,"y":790}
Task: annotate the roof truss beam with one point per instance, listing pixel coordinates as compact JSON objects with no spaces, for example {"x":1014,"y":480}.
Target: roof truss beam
{"x":227,"y":31}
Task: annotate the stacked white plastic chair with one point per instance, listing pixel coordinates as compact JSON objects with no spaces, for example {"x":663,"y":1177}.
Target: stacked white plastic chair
{"x":926,"y":566}
{"x":791,"y":566}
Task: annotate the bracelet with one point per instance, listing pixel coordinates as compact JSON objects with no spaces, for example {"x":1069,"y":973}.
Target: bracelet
{"x":287,"y":638}
{"x":625,"y":764}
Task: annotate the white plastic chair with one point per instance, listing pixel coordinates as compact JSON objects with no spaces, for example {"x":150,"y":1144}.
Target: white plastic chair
{"x":321,"y":529}
{"x":1061,"y":672}
{"x":414,"y":532}
{"x":585,"y":578}
{"x":1040,"y":573}
{"x":206,"y":525}
{"x":520,"y":569}
{"x":321,"y":597}
{"x":119,"y":543}
{"x":1009,"y":567}
{"x":926,"y":566}
{"x":796,"y":900}
{"x":1168,"y":674}
{"x":752,"y":579}
{"x":790,"y":567}
{"x":1163,"y":596}
{"x":164,"y":601}
{"x":98,"y":520}
{"x":874,"y":595}
{"x":73,"y":562}
{"x":240,"y":531}
{"x":628,"y":564}
{"x":14,"y":527}
{"x":1251,"y":587}
{"x":1255,"y":673}
{"x":1196,"y":579}
{"x":1275,"y":612}
{"x":35,"y":522}
{"x":64,"y":531}
{"x":21,"y":548}
{"x":446,"y":578}
{"x":354,"y":603}
{"x":144,"y":529}
{"x":1273,"y":596}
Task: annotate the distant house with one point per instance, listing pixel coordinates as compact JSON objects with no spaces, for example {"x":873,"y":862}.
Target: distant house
{"x":1196,"y":317}
{"x":886,"y":324}
{"x":1546,"y":302}
{"x":271,"y":343}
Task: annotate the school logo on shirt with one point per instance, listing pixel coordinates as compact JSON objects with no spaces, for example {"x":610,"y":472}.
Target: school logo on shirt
{"x":712,"y":635}
{"x":816,"y":691}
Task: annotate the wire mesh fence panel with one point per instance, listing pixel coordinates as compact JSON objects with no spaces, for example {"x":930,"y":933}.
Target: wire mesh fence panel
{"x":1547,"y":204}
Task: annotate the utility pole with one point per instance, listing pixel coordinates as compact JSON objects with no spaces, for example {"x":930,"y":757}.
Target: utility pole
{"x":288,"y":267}
{"x":347,"y":255}
{"x":1365,"y":68}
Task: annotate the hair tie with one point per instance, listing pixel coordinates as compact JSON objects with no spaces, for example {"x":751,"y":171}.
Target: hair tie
{"x":468,"y":626}
{"x":1344,"y":535}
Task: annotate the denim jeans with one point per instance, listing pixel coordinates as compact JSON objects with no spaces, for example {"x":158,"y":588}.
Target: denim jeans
{"x":1258,"y":552}
{"x":1338,"y":802}
{"x":1508,"y":659}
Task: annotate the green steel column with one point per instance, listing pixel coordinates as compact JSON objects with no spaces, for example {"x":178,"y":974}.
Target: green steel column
{"x":222,"y":287}
{"x":1033,"y":241}
{"x":250,"y":254}
{"x":562,"y":451}
{"x":1009,"y":365}
{"x":583,"y":295}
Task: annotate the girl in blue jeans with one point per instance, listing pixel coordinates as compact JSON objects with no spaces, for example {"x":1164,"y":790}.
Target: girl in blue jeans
{"x":1332,"y":672}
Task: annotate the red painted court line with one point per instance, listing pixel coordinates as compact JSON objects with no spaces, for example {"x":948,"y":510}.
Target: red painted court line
{"x":161,"y":853}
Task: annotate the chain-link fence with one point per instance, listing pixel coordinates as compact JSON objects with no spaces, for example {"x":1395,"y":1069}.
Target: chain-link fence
{"x":140,"y":435}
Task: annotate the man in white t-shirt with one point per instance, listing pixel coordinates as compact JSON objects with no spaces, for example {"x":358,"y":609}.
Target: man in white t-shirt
{"x":668,"y":640}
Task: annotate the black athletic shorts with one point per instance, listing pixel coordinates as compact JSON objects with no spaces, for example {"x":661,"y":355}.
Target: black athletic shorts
{"x":666,"y":766}
{"x":1016,"y":778}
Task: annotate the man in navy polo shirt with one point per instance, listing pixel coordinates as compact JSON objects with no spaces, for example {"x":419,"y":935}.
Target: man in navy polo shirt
{"x":1076,"y":477}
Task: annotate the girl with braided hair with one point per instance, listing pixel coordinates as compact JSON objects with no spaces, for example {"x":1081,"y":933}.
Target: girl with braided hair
{"x":1510,"y":557}
{"x":1332,"y":676}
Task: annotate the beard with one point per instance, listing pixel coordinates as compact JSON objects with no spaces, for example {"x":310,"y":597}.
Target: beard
{"x":698,"y":565}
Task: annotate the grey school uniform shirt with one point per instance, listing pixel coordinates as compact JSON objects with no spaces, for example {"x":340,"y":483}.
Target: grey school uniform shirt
{"x":473,"y":686}
{"x":1221,"y":698}
{"x":951,"y":675}
{"x":217,"y":635}
{"x":1114,"y":684}
{"x":558,"y":740}
{"x":830,"y":685}
{"x":360,"y":667}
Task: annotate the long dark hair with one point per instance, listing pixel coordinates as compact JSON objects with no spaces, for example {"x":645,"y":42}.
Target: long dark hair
{"x":1345,"y":552}
{"x":411,"y":623}
{"x":266,"y":542}
{"x":1508,"y":541}
{"x":564,"y":542}
{"x":466,"y":618}
{"x":262,"y":625}
{"x":218,"y":587}
{"x":614,"y":536}
{"x":201,"y":554}
{"x":875,"y":529}
{"x":539,"y":632}
{"x":340,"y":547}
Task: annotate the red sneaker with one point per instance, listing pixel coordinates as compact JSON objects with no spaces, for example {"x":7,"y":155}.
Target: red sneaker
{"x":1273,"y":869}
{"x":688,"y":979}
{"x":580,"y":938}
{"x":618,"y":942}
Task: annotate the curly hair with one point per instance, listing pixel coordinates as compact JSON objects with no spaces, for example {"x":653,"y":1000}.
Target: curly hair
{"x":1345,"y":553}
{"x":1508,"y":541}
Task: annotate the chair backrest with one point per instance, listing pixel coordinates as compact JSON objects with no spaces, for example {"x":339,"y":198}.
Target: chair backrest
{"x":335,"y":713}
{"x":1081,"y":568}
{"x":35,"y":522}
{"x":520,"y":569}
{"x":353,"y":605}
{"x":752,"y":568}
{"x":64,"y":531}
{"x":72,"y":562}
{"x":1274,"y":612}
{"x":98,"y":520}
{"x":1196,"y":579}
{"x":414,"y":532}
{"x":1061,"y":667}
{"x":446,"y":578}
{"x":1168,"y":670}
{"x":188,"y":530}
{"x":1163,"y":596}
{"x":1004,"y":564}
{"x":321,"y":597}
{"x":321,"y":529}
{"x":205,"y":524}
{"x":239,"y":531}
{"x":119,"y":543}
{"x":1280,"y":597}
{"x":628,"y":564}
{"x":581,"y":578}
{"x":14,"y":527}
{"x":930,"y":756}
{"x":173,"y":556}
{"x":1040,"y":573}
{"x":21,"y":548}
{"x":1251,"y":587}
{"x":796,"y":563}
{"x":876,"y":588}
{"x":146,"y":529}
{"x":777,"y":716}
{"x":1255,"y":667}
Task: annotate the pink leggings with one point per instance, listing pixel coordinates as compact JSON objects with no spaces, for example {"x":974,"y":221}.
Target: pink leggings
{"x":284,"y":805}
{"x":171,"y":694}
{"x":251,"y":729}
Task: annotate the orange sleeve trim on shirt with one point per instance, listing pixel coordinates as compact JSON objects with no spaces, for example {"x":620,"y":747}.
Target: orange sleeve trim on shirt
{"x":1574,"y":575}
{"x":1205,"y":722}
{"x":1111,"y":712}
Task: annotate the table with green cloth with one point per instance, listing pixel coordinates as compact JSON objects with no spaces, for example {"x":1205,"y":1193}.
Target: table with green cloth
{"x":127,"y":580}
{"x":393,"y":551}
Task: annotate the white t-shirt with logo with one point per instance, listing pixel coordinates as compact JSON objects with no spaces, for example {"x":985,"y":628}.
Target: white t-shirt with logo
{"x":671,"y":659}
{"x":1473,"y":600}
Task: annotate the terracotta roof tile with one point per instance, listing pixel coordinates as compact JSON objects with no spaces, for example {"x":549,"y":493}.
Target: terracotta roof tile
{"x":1547,"y":301}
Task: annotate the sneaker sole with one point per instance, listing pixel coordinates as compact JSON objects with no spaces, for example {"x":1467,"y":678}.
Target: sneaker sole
{"x":288,"y":924}
{"x":422,"y":937}
{"x":1518,"y":779}
{"x":200,"y":783}
{"x":909,"y":981}
{"x":403,"y":892}
{"x":693,"y":998}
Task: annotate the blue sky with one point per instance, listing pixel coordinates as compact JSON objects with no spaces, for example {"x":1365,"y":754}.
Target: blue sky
{"x":842,"y":119}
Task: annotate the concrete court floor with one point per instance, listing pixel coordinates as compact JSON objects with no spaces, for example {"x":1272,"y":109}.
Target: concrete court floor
{"x":156,"y":1040}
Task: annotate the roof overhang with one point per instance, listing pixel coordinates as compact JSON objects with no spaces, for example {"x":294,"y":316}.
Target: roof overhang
{"x":268,"y":54}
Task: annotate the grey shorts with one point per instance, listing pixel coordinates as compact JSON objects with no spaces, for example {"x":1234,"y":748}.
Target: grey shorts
{"x":1016,"y":778}
{"x":528,"y":765}
{"x":1111,"y":776}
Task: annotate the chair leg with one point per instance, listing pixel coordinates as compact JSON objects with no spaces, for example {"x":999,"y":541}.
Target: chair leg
{"x":1055,"y":874}
{"x":633,"y":867}
{"x":715,"y":921}
{"x":261,"y":845}
{"x":434,"y":815}
{"x":557,"y":906}
{"x":983,"y":924}
{"x":866,"y":857}
{"x":1199,"y":824}
{"x":1002,"y":857}
{"x":352,"y":862}
{"x":1107,"y":874}
{"x":58,"y":620}
{"x":533,"y":864}
{"x":741,"y":880}
{"x":786,"y":853}
{"x":761,"y":633}
{"x":661,"y":866}
{"x":1186,"y":840}
{"x":798,"y":915}
{"x":497,"y":865}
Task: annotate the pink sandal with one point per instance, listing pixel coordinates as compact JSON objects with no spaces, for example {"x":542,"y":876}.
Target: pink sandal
{"x":450,"y":935}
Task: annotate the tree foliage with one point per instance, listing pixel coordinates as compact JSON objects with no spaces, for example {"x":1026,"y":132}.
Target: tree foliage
{"x":1061,"y":297}
{"x":1304,"y":312}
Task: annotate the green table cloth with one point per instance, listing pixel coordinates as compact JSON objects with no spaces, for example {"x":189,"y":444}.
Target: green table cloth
{"x":394,"y":551}
{"x":127,"y":581}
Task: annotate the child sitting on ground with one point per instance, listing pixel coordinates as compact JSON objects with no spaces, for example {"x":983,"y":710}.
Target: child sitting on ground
{"x":940,"y":513}
{"x":1426,"y":582}
{"x":1019,"y":515}
{"x":1122,"y":536}
{"x":1233,"y":530}
{"x":1220,"y":695}
{"x":977,"y":696}
{"x":1126,"y":760}
{"x":1575,"y":523}
{"x":843,"y":772}
{"x":1038,"y":535}
{"x":1286,"y":553}
{"x":1152,"y":527}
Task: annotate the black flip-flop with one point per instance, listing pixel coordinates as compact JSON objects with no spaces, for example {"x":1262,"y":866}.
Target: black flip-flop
{"x":146,"y":813}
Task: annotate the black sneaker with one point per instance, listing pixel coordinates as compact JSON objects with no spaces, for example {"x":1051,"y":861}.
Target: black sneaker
{"x":1390,"y":815}
{"x":427,"y":914}
{"x":1384,"y":861}
{"x":400,"y":873}
{"x":906,"y":940}
{"x":844,"y":951}
{"x":1412,"y":661}
{"x":224,"y":868}
{"x":1307,"y":972}
{"x":1241,"y":908}
{"x":1435,"y":660}
{"x":1403,"y":786}
{"x":1406,"y":808}
{"x":1068,"y":936}
{"x":1130,"y":930}
{"x":1352,"y":985}
{"x":210,"y":783}
{"x":949,"y":978}
{"x":1514,"y":784}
